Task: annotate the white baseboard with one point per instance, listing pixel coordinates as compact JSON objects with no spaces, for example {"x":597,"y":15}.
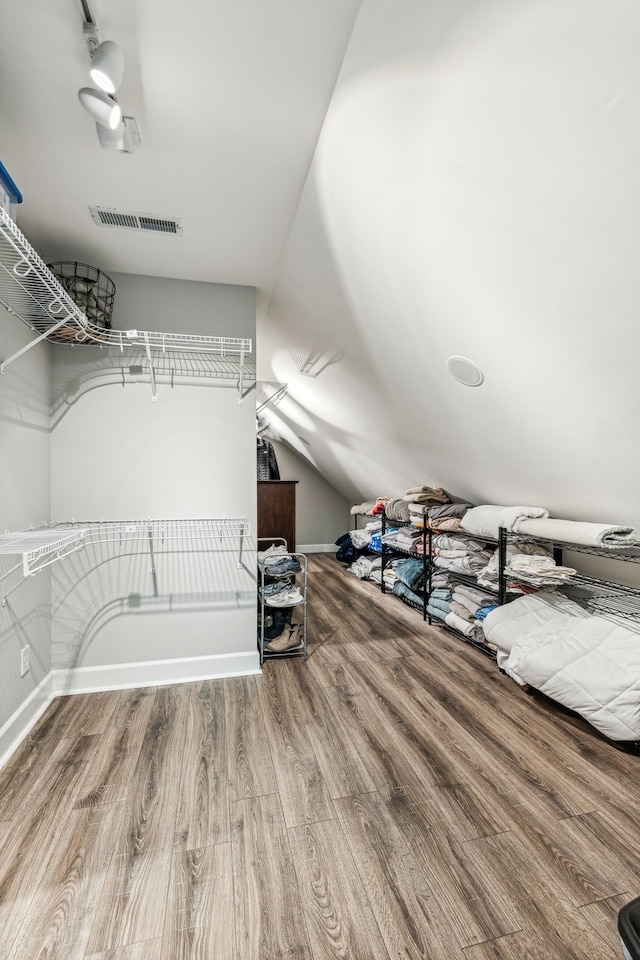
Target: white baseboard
{"x":20,"y":724}
{"x":120,"y":676}
{"x":155,"y":673}
{"x":317,"y":548}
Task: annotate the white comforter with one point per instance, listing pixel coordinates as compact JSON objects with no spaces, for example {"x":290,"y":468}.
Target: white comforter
{"x":588,"y":663}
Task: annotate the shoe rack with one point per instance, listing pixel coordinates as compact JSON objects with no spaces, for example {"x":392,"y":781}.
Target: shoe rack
{"x":282,"y":603}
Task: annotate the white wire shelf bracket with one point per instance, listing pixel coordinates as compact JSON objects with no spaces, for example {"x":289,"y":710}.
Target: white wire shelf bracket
{"x":30,"y":291}
{"x":38,"y":548}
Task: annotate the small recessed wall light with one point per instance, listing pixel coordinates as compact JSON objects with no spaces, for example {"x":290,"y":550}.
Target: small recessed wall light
{"x":465,"y":371}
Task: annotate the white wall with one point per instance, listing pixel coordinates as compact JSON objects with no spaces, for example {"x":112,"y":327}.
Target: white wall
{"x":472,"y":194}
{"x":118,"y":455}
{"x":24,"y":500}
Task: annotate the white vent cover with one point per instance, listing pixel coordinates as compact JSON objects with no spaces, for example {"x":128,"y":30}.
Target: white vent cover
{"x":107,"y":217}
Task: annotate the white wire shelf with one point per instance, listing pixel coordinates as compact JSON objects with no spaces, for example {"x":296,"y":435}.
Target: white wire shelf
{"x":205,"y":530}
{"x":30,"y":291}
{"x":39,"y":548}
{"x":49,"y":542}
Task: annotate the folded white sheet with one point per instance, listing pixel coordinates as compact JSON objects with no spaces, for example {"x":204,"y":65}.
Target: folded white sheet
{"x":576,"y":531}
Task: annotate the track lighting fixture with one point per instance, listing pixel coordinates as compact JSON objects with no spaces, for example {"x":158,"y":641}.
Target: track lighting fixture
{"x":106,"y":71}
{"x":103,"y":108}
{"x":107,"y":66}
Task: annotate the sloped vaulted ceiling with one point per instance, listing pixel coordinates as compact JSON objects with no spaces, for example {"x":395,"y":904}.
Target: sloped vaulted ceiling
{"x":475,"y":192}
{"x":470,"y":186}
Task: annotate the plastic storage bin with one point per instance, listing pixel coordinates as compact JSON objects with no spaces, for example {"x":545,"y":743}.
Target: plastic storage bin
{"x":629,"y":929}
{"x":10,"y":196}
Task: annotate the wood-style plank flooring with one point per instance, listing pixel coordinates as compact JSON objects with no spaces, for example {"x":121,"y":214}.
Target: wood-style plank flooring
{"x":393,"y":797}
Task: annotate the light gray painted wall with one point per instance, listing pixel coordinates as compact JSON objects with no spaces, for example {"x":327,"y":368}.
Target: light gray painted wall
{"x":322,"y":513}
{"x":118,"y":455}
{"x":24,"y":500}
{"x":183,"y":306}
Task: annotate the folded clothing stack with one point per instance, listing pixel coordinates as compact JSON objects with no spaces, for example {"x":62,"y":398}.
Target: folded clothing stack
{"x":429,"y":496}
{"x":490,"y":576}
{"x":410,"y":572}
{"x":539,"y":571}
{"x":361,"y":568}
{"x":404,"y":538}
{"x":439,"y":605}
{"x":401,"y":590}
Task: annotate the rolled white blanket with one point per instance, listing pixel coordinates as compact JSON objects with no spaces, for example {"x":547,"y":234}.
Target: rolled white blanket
{"x":486,"y":520}
{"x":576,"y":531}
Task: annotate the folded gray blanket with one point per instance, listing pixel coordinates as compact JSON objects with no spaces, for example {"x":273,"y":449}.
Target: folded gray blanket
{"x":448,"y":510}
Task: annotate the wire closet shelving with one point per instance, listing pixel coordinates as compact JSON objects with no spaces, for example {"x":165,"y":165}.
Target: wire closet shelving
{"x":30,"y":291}
{"x":40,"y":546}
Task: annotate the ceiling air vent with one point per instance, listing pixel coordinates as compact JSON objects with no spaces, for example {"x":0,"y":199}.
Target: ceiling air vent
{"x":107,"y":217}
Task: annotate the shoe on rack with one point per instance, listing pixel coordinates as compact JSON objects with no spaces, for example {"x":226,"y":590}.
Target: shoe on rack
{"x":286,"y":641}
{"x":279,"y":566}
{"x":285,"y":598}
{"x":270,"y":589}
{"x":276,"y":549}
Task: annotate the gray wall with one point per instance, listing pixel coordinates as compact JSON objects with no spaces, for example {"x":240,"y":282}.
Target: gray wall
{"x":322,"y":513}
{"x":118,"y":455}
{"x":24,"y":500}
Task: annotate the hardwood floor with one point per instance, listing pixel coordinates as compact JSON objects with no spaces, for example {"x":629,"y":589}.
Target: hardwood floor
{"x":393,"y":797}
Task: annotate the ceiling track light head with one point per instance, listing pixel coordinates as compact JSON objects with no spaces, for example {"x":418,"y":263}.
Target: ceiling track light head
{"x":124,"y":138}
{"x":104,"y":109}
{"x":107,"y":66}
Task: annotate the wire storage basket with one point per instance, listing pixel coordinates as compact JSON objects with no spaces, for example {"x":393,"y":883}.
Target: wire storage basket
{"x":91,"y":289}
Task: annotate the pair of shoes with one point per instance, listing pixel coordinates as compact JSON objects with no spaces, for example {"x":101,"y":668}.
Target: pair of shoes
{"x":279,"y":566}
{"x":286,"y":641}
{"x":276,"y":549}
{"x":270,"y":589}
{"x":285,"y":598}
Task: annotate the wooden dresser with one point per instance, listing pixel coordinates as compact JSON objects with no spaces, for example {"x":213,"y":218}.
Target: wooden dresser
{"x":277,"y":511}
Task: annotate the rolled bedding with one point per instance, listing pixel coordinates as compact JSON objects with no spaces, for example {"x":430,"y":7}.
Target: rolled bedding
{"x":486,"y":520}
{"x":577,"y":531}
{"x":397,"y":509}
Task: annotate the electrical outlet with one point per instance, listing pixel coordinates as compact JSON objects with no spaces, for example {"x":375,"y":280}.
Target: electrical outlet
{"x":24,"y":660}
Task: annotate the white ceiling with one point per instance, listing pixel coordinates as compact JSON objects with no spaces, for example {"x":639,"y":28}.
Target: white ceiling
{"x":229,"y":99}
{"x":402,"y":182}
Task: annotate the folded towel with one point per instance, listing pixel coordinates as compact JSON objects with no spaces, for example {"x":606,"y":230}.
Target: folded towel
{"x":432,"y":496}
{"x":447,"y":524}
{"x":461,"y":611}
{"x":577,"y":531}
{"x":453,"y":620}
{"x":463,"y":601}
{"x":480,"y":597}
